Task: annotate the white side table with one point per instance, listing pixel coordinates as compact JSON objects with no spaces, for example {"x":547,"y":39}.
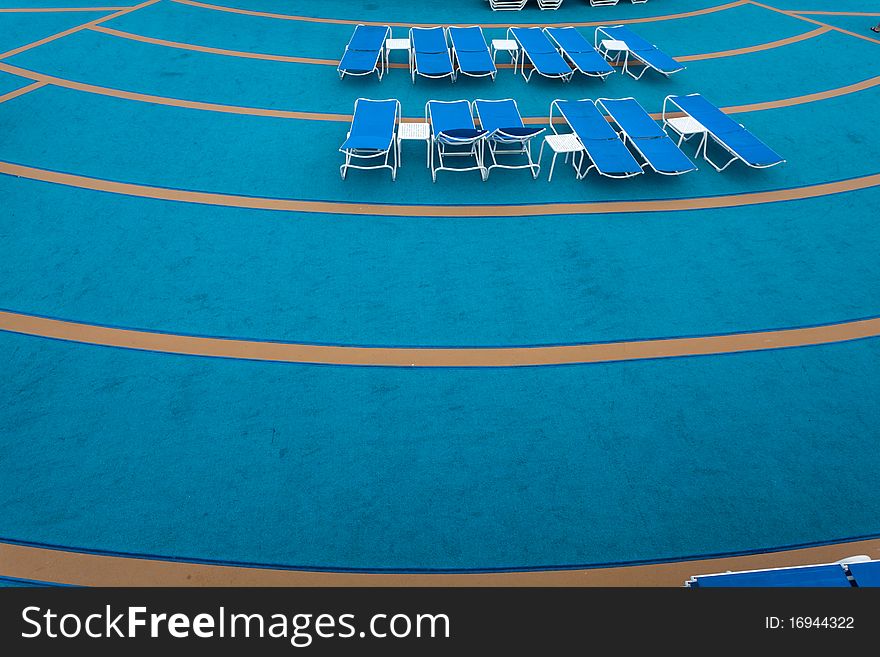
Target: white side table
{"x":512,"y":48}
{"x":568,"y":144}
{"x":687,"y":127}
{"x":417,"y":131}
{"x":608,"y":46}
{"x":396,"y":44}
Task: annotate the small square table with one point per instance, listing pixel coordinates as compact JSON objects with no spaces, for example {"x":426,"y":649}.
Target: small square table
{"x":607,"y":46}
{"x":396,"y":44}
{"x":566,"y":143}
{"x":416,"y":131}
{"x":512,"y":48}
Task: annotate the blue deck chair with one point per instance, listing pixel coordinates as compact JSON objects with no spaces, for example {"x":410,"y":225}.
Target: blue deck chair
{"x":429,"y":53}
{"x":579,"y":52}
{"x":507,"y":134}
{"x":865,"y":573}
{"x":372,"y":135}
{"x":639,"y":52}
{"x":826,"y":575}
{"x":540,"y":52}
{"x":363,"y":54}
{"x":607,"y":153}
{"x":470,"y":53}
{"x":454,"y":134}
{"x":733,"y":137}
{"x":648,"y":139}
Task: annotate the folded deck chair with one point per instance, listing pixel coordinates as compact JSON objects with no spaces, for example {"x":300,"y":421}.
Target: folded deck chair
{"x":507,"y":5}
{"x":638,"y":52}
{"x":824,"y":575}
{"x":371,"y":136}
{"x":363,"y":54}
{"x":733,"y":137}
{"x":507,"y":134}
{"x":429,"y":53}
{"x":579,"y":52}
{"x":470,"y":53}
{"x":540,"y":52}
{"x":649,"y":140}
{"x":607,"y":153}
{"x":454,"y":134}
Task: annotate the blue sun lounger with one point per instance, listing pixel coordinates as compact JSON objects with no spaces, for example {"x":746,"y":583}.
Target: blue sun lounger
{"x":579,"y":52}
{"x":705,"y":119}
{"x":372,"y":135}
{"x":507,"y":134}
{"x":429,"y":53}
{"x":454,"y":134}
{"x":470,"y":52}
{"x":607,"y":153}
{"x":826,"y":575}
{"x":637,"y":51}
{"x":363,"y":54}
{"x":535,"y":46}
{"x":647,"y":138}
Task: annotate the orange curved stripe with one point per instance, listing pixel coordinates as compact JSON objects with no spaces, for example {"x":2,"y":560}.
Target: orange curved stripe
{"x":77,"y":28}
{"x":214,"y":51}
{"x":792,"y":14}
{"x":22,"y":91}
{"x":83,"y":569}
{"x":335,"y":62}
{"x":345,"y":118}
{"x":347,"y":21}
{"x":395,"y":210}
{"x":834,"y":13}
{"x":290,"y":352}
{"x":751,"y":49}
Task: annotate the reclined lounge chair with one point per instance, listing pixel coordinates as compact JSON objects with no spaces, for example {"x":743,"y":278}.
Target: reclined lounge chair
{"x":606,"y":152}
{"x":507,"y":134}
{"x":579,"y":52}
{"x":638,"y":52}
{"x":363,"y":54}
{"x":429,"y":53}
{"x":536,"y":49}
{"x":454,"y":134}
{"x":647,"y":138}
{"x":470,"y":52}
{"x":372,"y":136}
{"x":705,"y":119}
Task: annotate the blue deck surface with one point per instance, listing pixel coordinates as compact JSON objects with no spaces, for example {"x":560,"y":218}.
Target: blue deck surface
{"x":410,"y":469}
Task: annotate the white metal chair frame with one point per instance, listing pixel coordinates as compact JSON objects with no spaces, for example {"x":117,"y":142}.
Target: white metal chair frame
{"x":516,"y":145}
{"x":444,"y":144}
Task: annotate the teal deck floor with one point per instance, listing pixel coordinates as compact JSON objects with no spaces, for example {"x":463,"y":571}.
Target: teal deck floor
{"x":418,"y":469}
